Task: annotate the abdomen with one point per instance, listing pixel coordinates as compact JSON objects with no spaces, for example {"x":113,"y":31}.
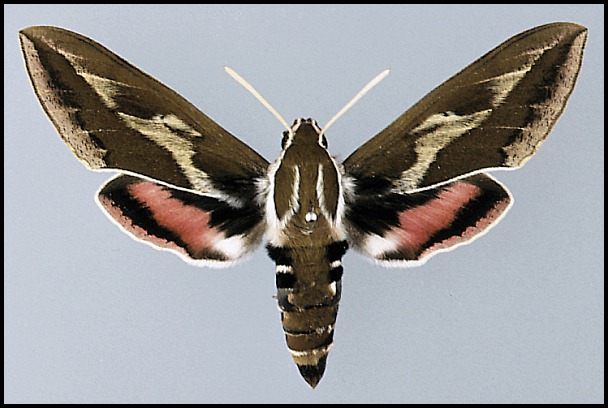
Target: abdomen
{"x":308,"y":292}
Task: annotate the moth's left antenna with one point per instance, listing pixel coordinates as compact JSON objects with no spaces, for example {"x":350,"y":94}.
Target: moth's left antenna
{"x":257,"y":95}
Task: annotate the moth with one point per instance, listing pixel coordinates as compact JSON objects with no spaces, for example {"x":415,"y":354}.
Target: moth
{"x":416,"y":189}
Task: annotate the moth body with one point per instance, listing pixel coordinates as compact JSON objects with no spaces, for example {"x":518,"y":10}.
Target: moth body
{"x":305,"y":210}
{"x":417,"y":188}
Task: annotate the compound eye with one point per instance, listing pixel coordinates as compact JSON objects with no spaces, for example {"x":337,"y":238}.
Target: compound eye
{"x":285,"y":139}
{"x":324,"y":142}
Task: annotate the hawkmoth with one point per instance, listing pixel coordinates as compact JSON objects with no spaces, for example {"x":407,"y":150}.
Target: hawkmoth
{"x":417,"y":188}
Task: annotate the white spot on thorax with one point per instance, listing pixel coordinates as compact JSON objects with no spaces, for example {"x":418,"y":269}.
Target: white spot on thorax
{"x":311,"y":216}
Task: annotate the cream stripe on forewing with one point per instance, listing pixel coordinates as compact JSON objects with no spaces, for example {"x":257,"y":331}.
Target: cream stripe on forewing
{"x":448,"y":126}
{"x":104,"y":87}
{"x":438,"y":131}
{"x":158,"y":129}
{"x":155,"y":129}
{"x":503,"y":85}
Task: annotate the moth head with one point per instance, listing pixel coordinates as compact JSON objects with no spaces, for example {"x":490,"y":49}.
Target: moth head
{"x":307,"y":129}
{"x":305,"y":133}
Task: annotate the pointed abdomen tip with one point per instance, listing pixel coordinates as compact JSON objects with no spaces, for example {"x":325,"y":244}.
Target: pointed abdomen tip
{"x":313,"y":373}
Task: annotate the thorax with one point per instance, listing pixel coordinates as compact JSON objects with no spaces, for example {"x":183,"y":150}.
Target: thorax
{"x":305,"y":197}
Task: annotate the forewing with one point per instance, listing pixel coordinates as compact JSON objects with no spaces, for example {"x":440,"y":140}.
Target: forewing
{"x":494,"y":113}
{"x":114,"y":116}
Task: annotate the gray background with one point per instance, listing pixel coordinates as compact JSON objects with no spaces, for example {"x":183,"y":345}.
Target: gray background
{"x":93,"y":316}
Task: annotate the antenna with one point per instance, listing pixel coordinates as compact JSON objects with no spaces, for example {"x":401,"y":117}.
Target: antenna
{"x":257,"y":95}
{"x":350,"y":104}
